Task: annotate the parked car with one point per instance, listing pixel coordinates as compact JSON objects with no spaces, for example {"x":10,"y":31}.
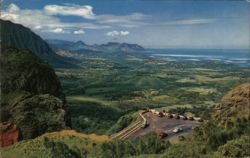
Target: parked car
{"x":200,"y":120}
{"x":145,"y":124}
{"x":190,"y":118}
{"x":170,"y":116}
{"x":160,"y":114}
{"x":177,"y":117}
{"x":184,"y":118}
{"x":177,"y":130}
{"x":163,"y":135}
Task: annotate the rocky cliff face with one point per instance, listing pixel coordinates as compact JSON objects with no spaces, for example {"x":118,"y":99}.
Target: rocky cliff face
{"x":9,"y":134}
{"x":234,"y":105}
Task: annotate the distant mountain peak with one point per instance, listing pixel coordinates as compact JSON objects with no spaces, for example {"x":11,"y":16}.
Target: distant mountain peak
{"x":80,"y":42}
{"x":110,"y":46}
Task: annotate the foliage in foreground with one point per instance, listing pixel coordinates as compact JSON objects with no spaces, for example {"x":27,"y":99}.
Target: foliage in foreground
{"x":76,"y":147}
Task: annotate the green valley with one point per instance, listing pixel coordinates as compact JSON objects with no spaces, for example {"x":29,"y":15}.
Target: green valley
{"x":182,"y":92}
{"x":112,"y":80}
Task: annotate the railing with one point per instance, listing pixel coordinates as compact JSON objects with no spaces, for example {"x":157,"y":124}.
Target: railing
{"x":128,"y":131}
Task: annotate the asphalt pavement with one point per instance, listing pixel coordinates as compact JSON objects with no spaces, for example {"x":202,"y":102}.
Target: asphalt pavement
{"x":163,"y":124}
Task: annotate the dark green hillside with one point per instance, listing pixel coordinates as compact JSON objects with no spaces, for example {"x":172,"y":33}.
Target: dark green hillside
{"x":18,"y":36}
{"x":21,"y":70}
{"x":31,"y":94}
{"x":36,"y":114}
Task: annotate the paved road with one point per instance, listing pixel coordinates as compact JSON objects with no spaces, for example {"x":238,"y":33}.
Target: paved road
{"x":163,"y":124}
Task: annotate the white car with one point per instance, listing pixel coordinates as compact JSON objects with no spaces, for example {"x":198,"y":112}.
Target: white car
{"x":177,"y":130}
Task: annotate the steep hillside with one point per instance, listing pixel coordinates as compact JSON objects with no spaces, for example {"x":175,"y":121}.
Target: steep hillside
{"x":36,"y":114}
{"x":31,"y":94}
{"x":21,"y":70}
{"x":234,"y":105}
{"x":18,"y":36}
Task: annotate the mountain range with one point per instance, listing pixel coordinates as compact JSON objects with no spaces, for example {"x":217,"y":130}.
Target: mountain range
{"x":18,"y":36}
{"x":79,"y":45}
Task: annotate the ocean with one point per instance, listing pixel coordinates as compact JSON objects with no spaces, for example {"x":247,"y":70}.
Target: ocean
{"x":236,"y":56}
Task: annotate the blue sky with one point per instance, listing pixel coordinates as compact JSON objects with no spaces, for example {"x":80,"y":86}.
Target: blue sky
{"x":152,"y":24}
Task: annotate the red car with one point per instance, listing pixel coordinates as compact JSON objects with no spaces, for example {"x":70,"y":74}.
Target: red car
{"x":163,"y":135}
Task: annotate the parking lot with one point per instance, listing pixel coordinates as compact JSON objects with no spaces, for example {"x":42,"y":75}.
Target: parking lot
{"x":164,"y":124}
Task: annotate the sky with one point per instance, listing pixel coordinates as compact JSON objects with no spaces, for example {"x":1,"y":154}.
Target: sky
{"x":220,"y":24}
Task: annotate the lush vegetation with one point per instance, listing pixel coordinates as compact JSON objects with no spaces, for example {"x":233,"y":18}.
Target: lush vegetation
{"x":31,"y":94}
{"x":126,"y":82}
{"x":92,"y":117}
{"x":64,"y":147}
{"x":123,"y":122}
{"x":207,"y":141}
{"x":102,"y":108}
{"x":22,"y":70}
{"x":104,"y":92}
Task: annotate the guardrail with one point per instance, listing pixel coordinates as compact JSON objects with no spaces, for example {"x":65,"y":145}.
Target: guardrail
{"x":128,"y":131}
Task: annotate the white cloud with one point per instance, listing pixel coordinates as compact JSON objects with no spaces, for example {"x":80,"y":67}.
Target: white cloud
{"x":12,"y":8}
{"x":86,"y":11}
{"x":75,"y":10}
{"x":78,"y":32}
{"x":117,"y":33}
{"x":129,"y":21}
{"x":124,"y":33}
{"x":58,"y":30}
{"x":113,"y":33}
{"x":191,"y":22}
{"x":44,"y":20}
{"x":40,"y":20}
